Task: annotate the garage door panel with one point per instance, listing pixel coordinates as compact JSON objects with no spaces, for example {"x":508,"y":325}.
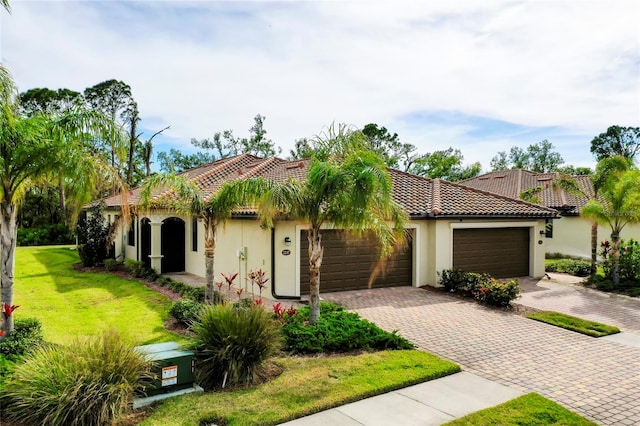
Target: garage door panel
{"x":348,"y":263}
{"x":501,"y":252}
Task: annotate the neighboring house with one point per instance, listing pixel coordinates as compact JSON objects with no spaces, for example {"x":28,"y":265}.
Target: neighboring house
{"x":572,"y":234}
{"x":450,"y":225}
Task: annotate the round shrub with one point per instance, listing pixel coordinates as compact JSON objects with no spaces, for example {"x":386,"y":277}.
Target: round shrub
{"x":337,"y":331}
{"x":26,"y":335}
{"x":185,"y":310}
{"x":232,"y":344}
{"x":90,"y":382}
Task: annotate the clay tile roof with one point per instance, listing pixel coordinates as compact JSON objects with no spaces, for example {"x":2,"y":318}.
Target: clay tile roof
{"x":421,"y":197}
{"x":512,"y":183}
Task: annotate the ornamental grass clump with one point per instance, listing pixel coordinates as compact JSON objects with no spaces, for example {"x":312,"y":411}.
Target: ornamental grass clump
{"x":90,"y":382}
{"x":233,"y":343}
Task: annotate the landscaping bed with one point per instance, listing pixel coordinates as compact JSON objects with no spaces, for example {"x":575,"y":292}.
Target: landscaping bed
{"x":590,"y":328}
{"x":530,"y":409}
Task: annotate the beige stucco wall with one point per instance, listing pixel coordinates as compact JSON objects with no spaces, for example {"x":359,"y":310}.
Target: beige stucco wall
{"x":432,"y":249}
{"x":572,"y":236}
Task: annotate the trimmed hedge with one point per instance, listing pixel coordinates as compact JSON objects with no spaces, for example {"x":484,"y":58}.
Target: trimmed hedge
{"x":577,"y":267}
{"x":481,"y":287}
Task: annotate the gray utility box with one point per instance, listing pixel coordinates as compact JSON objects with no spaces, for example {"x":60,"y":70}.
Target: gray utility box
{"x":172,"y":367}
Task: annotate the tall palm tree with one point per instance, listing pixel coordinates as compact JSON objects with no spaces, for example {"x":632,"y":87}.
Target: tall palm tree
{"x":350,"y":190}
{"x":184,"y":197}
{"x":619,"y":205}
{"x":33,"y":148}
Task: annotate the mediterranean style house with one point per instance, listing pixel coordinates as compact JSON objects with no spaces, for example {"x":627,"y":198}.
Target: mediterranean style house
{"x":451,"y":226}
{"x":572,"y":234}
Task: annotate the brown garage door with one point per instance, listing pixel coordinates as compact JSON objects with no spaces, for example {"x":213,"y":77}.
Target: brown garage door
{"x":501,"y":252}
{"x":349,"y":263}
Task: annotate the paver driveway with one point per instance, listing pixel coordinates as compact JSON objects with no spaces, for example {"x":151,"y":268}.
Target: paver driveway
{"x":598,"y":379}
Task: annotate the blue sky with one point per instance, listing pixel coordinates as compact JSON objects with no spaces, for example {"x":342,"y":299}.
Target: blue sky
{"x":477,"y":76}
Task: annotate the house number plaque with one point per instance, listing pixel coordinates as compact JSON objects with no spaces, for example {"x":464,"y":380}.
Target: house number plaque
{"x":286,"y":252}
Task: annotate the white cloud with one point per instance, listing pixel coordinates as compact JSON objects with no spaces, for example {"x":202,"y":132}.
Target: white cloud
{"x":208,"y":66}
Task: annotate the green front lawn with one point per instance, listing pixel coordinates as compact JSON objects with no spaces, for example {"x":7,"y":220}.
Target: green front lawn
{"x":71,"y":303}
{"x":306,"y":386}
{"x":530,"y":409}
{"x":590,"y":328}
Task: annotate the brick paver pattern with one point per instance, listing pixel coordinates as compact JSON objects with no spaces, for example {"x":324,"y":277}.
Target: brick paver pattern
{"x":595,"y":378}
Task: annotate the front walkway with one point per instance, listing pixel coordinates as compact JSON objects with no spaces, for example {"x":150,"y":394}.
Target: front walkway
{"x":593,"y":377}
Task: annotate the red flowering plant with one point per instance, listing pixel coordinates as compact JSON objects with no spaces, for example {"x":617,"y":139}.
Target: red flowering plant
{"x":281,"y":313}
{"x":229,"y":279}
{"x":7,"y":310}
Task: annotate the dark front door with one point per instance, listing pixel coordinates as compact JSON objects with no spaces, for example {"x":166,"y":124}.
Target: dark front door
{"x":172,"y":247}
{"x":145,"y":241}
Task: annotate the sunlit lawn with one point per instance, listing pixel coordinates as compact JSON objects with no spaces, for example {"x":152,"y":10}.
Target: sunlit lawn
{"x":71,"y":303}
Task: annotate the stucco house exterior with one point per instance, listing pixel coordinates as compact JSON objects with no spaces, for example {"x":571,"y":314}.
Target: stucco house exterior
{"x":450,"y":225}
{"x":572,"y":234}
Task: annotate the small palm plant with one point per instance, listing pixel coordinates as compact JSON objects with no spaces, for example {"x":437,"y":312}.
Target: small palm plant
{"x":233,"y":343}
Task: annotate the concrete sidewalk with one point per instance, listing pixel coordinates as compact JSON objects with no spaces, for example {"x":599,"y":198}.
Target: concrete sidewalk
{"x":430,"y":403}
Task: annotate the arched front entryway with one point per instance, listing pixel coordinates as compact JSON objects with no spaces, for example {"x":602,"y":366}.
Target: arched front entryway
{"x":145,"y":241}
{"x":172,"y":247}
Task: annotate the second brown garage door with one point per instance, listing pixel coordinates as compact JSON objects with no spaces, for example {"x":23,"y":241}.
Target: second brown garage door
{"x":501,"y":252}
{"x":348,"y":264}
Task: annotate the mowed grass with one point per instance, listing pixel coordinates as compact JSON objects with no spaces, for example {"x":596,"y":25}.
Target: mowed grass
{"x":530,"y":409}
{"x":70,"y":303}
{"x":306,"y":386}
{"x":590,"y":328}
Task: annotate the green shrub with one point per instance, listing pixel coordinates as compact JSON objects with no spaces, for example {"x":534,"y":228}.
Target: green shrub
{"x":464,"y":283}
{"x":337,"y":331}
{"x":57,"y":233}
{"x":90,"y":382}
{"x":498,"y":293}
{"x":197,"y":294}
{"x":112,"y":264}
{"x":185,"y":311}
{"x":135,"y":267}
{"x":7,"y":364}
{"x":233,"y":344}
{"x":451,"y":279}
{"x":579,"y":268}
{"x":26,"y":336}
{"x":93,"y":236}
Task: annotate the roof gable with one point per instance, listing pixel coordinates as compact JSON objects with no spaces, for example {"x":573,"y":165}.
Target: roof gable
{"x":512,"y":183}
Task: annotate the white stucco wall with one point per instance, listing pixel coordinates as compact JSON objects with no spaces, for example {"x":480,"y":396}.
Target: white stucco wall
{"x":572,"y":236}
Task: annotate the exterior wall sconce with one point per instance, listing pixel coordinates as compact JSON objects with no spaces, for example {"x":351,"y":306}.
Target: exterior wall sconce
{"x":287,"y":241}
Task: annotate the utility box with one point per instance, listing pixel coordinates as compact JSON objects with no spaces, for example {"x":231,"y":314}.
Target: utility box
{"x":172,"y":367}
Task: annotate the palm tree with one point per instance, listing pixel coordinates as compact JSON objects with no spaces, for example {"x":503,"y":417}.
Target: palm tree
{"x":350,"y":190}
{"x":184,"y":197}
{"x":619,"y":205}
{"x":5,"y":4}
{"x":31,"y":149}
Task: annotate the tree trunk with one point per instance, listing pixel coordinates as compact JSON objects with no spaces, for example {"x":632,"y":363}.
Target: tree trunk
{"x":315,"y":261}
{"x":63,"y":200}
{"x":594,"y":248}
{"x":615,"y":272}
{"x":209,"y":252}
{"x":8,"y":236}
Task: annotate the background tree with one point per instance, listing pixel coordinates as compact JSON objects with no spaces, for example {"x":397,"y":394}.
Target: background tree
{"x":445,"y":164}
{"x":225,"y":144}
{"x":617,"y":140}
{"x":174,"y":161}
{"x":34,"y":147}
{"x":301,"y":149}
{"x":575,"y":171}
{"x":618,"y":203}
{"x":346,"y":185}
{"x":539,"y":157}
